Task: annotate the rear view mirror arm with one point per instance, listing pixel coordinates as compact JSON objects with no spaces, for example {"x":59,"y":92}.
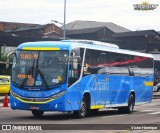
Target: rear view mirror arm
{"x":7,"y":61}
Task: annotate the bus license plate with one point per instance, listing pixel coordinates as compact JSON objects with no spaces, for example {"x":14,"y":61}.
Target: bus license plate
{"x":34,"y":108}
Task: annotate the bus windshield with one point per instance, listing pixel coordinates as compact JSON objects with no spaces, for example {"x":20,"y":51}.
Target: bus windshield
{"x":40,"y":68}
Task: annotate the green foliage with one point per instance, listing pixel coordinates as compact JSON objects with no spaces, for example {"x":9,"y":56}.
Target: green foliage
{"x":3,"y":58}
{"x":4,"y":54}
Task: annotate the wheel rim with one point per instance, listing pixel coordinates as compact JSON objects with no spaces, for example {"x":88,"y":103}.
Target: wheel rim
{"x":83,"y":109}
{"x":131,"y":104}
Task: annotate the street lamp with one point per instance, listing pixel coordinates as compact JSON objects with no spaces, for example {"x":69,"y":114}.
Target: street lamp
{"x":63,"y":24}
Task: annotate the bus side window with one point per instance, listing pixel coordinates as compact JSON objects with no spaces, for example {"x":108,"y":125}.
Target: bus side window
{"x":96,"y":62}
{"x":75,"y":64}
{"x":90,"y":63}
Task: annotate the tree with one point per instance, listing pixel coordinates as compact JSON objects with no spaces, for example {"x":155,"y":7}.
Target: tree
{"x":4,"y":54}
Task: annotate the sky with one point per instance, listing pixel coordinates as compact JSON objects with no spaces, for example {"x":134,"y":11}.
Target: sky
{"x":120,"y":12}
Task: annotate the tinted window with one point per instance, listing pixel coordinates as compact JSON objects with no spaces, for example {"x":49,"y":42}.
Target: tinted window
{"x":3,"y":80}
{"x":96,"y":61}
{"x":75,"y":65}
{"x":103,"y":62}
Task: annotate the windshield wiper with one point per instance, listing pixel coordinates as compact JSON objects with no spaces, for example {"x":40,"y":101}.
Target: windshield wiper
{"x":44,"y":80}
{"x":38,"y":71}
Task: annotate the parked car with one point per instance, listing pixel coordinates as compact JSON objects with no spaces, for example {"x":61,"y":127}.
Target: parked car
{"x":158,"y":87}
{"x":4,"y":84}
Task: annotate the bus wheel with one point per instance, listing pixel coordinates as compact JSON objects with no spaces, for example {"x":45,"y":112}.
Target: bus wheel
{"x":37,"y":113}
{"x":130,"y":107}
{"x":82,"y":113}
{"x":130,"y":104}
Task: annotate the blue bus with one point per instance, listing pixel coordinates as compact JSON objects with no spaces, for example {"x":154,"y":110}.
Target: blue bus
{"x":79,"y":76}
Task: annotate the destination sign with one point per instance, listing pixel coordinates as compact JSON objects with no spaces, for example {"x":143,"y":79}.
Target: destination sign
{"x":24,"y":76}
{"x":29,"y":56}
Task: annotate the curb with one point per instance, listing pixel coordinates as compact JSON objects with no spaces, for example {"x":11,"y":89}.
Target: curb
{"x":1,"y":106}
{"x":156,"y":97}
{"x":5,"y":108}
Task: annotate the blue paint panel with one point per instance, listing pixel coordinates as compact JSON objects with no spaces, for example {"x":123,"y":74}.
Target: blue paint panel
{"x":56,"y":105}
{"x":104,"y":90}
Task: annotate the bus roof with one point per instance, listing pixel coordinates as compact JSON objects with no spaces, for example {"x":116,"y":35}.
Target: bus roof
{"x":92,"y":43}
{"x":62,"y":44}
{"x":70,"y":44}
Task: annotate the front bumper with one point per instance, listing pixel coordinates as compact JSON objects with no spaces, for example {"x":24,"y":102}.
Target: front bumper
{"x":52,"y":105}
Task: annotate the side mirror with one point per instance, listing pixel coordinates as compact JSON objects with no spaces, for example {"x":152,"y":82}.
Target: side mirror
{"x":8,"y":62}
{"x":73,"y":54}
{"x":75,"y":64}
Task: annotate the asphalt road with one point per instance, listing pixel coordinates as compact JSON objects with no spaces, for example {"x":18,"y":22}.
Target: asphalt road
{"x":143,"y":114}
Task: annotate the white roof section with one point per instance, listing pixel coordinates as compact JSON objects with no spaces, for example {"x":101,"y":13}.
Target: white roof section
{"x":95,"y":43}
{"x":156,"y":57}
{"x":104,"y":47}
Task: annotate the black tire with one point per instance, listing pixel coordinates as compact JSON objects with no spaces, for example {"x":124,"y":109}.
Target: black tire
{"x":121,"y":109}
{"x":37,"y":113}
{"x":83,"y":112}
{"x":129,"y":109}
{"x":94,"y":111}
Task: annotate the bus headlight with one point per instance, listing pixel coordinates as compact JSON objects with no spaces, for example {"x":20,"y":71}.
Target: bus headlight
{"x":58,"y":95}
{"x":13,"y":93}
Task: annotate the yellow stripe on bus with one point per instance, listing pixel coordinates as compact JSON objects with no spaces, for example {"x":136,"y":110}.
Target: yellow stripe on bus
{"x":25,"y":101}
{"x":39,"y":48}
{"x":97,"y":107}
{"x":148,"y":83}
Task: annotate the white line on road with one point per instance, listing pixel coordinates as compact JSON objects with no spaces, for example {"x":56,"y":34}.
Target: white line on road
{"x":143,"y":111}
{"x":115,"y":116}
{"x":154,"y":113}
